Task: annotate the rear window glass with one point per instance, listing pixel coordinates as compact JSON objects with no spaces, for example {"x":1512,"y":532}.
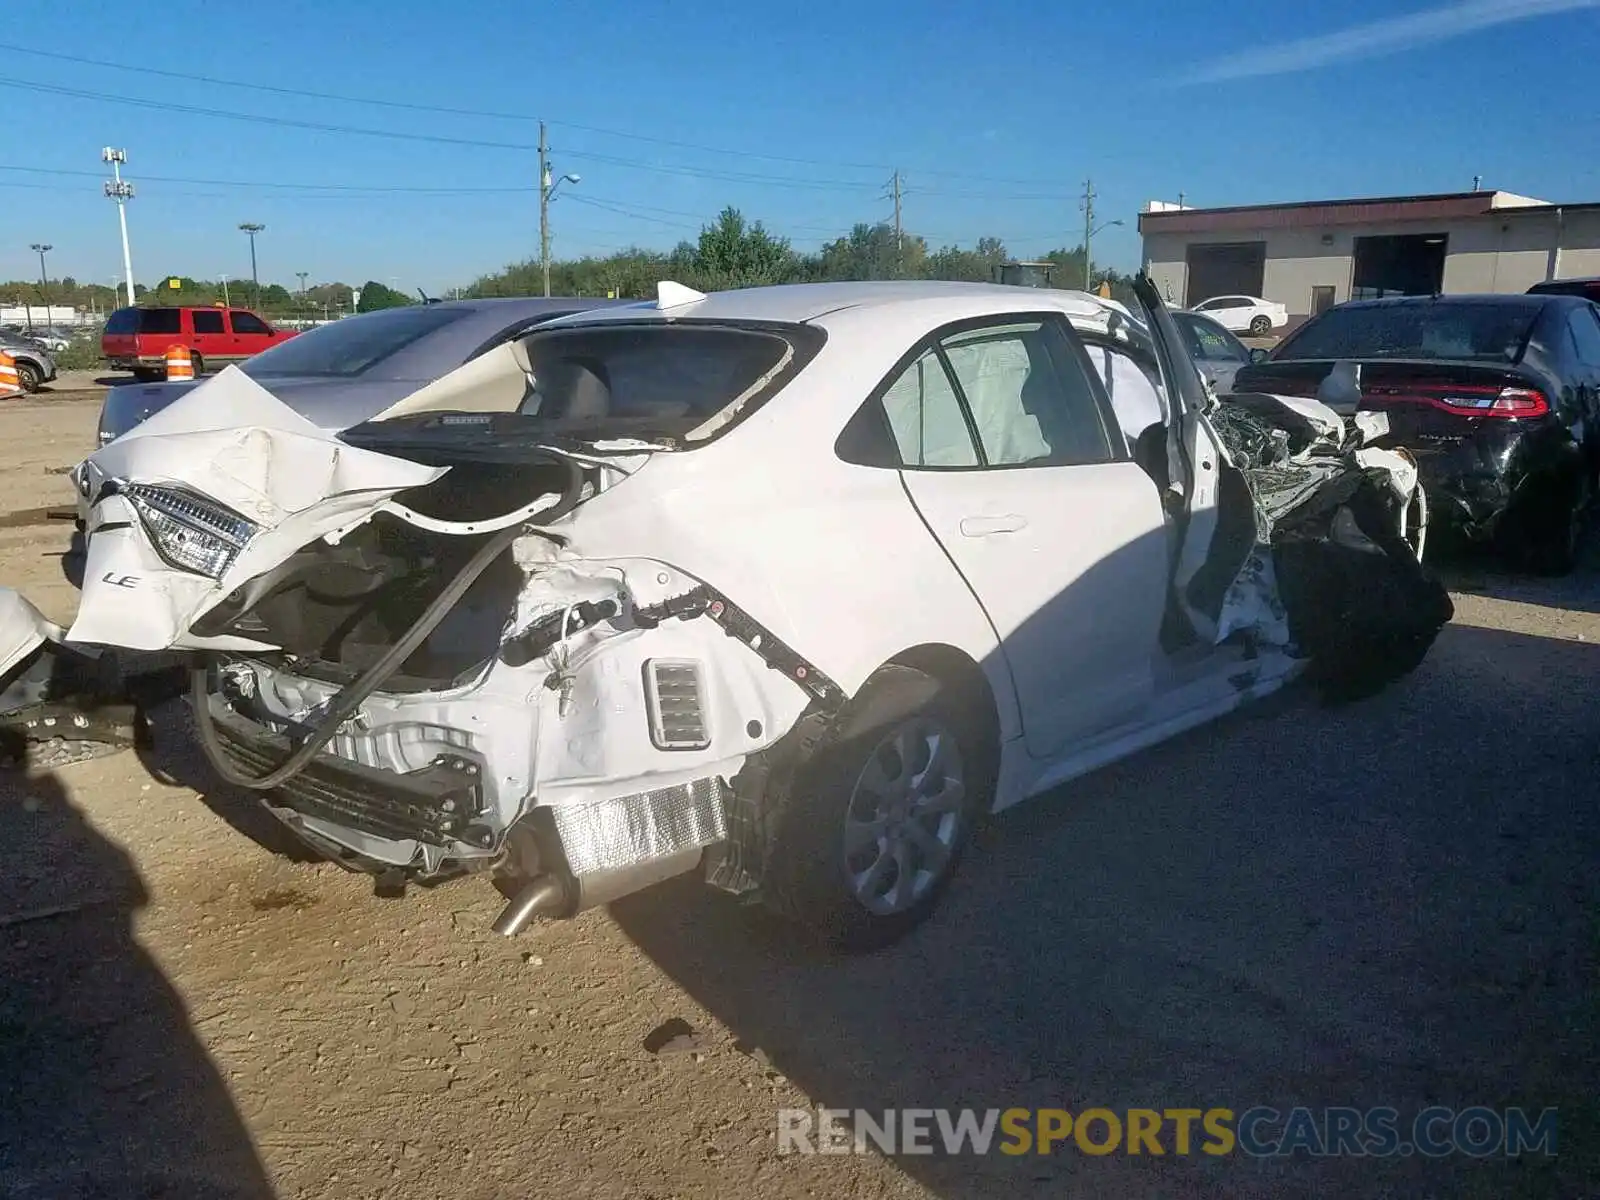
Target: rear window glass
{"x":1476,"y":332}
{"x":145,"y":320}
{"x":352,"y":345}
{"x":667,"y":378}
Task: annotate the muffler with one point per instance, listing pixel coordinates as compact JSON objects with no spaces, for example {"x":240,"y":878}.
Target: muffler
{"x":545,"y":896}
{"x":557,"y":896}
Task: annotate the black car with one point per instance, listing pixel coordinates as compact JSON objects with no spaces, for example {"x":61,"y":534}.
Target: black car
{"x":1498,"y":397}
{"x":1588,"y":288}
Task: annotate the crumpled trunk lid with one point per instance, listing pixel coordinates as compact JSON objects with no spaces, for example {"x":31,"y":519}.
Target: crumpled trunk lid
{"x":231,"y":443}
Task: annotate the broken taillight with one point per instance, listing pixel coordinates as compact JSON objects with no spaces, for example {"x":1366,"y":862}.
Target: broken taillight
{"x":1466,"y":400}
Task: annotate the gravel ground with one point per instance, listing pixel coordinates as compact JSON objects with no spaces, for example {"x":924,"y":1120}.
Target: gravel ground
{"x":1390,"y":903}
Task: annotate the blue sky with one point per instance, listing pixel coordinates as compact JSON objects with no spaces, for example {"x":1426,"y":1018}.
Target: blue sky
{"x":797,"y":114}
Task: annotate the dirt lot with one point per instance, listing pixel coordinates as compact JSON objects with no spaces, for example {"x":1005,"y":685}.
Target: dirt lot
{"x":1392,"y":903}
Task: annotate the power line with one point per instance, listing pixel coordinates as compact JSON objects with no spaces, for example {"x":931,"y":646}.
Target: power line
{"x":278,"y":184}
{"x":446,"y":110}
{"x":430,"y":138}
{"x":637,"y":216}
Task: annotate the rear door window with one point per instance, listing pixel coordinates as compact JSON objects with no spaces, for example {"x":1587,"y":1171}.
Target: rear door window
{"x":160,"y":320}
{"x":926,"y":419}
{"x":206,"y":321}
{"x":1028,"y":396}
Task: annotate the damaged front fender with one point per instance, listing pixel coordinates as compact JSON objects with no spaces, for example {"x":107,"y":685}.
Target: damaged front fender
{"x":23,"y":629}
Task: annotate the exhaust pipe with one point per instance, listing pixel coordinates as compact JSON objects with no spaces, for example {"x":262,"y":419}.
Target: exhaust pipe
{"x":544,"y":895}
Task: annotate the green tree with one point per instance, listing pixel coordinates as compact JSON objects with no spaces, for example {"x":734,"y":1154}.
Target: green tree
{"x":731,"y":254}
{"x":874,"y":252}
{"x":375,"y":296}
{"x":969,"y":266}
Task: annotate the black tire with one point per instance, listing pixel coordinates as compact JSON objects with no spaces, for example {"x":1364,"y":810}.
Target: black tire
{"x":75,"y":559}
{"x":199,"y":365}
{"x":807,"y":874}
{"x":1553,"y":528}
{"x":1260,"y":326}
{"x":28,"y":377}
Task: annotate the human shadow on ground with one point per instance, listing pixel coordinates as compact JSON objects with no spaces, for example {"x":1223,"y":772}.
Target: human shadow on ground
{"x":105,"y":1089}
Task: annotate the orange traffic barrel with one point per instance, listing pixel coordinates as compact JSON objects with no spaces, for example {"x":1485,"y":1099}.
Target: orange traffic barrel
{"x":10,"y":385}
{"x":179,"y":364}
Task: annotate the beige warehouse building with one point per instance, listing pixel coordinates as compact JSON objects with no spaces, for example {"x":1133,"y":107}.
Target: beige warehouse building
{"x":1313,"y":255}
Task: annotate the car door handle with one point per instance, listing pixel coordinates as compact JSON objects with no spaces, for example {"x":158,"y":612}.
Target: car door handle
{"x":985,"y":526}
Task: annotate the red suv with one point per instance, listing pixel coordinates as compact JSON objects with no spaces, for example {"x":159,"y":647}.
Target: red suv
{"x":137,"y":339}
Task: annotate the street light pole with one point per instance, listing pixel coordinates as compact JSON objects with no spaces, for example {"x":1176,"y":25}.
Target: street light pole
{"x":41,"y":249}
{"x":121,"y":192}
{"x":302,"y":275}
{"x":547,"y":192}
{"x":252,"y":228}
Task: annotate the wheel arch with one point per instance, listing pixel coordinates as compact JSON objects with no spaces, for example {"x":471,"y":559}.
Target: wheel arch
{"x":956,"y":669}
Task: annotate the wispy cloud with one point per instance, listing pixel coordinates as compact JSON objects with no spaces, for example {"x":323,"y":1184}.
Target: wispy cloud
{"x":1388,"y":36}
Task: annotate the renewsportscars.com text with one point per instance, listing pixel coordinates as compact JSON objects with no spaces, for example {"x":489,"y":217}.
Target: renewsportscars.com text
{"x":1258,"y":1132}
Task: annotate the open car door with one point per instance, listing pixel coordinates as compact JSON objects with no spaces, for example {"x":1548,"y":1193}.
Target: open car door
{"x":1210,"y":504}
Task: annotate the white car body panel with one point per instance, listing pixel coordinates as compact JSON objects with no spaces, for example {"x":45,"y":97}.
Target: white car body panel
{"x":1070,"y":563}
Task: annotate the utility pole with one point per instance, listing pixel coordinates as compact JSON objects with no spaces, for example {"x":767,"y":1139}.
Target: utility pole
{"x":227,"y":300}
{"x":302,"y":275}
{"x":547,"y":191}
{"x":121,"y":192}
{"x":1088,"y":232}
{"x":899,"y":232}
{"x":544,"y":207}
{"x":41,"y":249}
{"x":251,"y":228}
{"x":893,"y":190}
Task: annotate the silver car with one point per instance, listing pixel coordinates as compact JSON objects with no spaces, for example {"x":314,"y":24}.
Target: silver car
{"x":34,"y":364}
{"x":1215,"y":350}
{"x":338,"y":375}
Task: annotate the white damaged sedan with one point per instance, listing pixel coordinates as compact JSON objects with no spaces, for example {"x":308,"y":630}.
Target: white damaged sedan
{"x":789,"y":586}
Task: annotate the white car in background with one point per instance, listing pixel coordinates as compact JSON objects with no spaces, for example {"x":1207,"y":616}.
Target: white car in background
{"x":788,"y":586}
{"x":1245,"y":314}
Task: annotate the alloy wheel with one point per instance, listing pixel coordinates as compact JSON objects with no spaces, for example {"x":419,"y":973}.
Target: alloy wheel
{"x":905,"y":816}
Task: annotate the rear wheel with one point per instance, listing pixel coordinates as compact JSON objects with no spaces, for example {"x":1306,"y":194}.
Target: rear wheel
{"x":866,"y":833}
{"x":1553,"y":527}
{"x":199,"y":364}
{"x":28,"y":376}
{"x":1260,"y":326}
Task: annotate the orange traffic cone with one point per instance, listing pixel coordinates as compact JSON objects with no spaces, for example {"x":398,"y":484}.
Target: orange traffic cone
{"x":10,"y":386}
{"x":179,"y":364}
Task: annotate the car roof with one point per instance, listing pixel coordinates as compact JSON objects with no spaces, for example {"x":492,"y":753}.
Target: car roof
{"x":843,"y":303}
{"x":1579,"y":279}
{"x":1503,"y":299}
